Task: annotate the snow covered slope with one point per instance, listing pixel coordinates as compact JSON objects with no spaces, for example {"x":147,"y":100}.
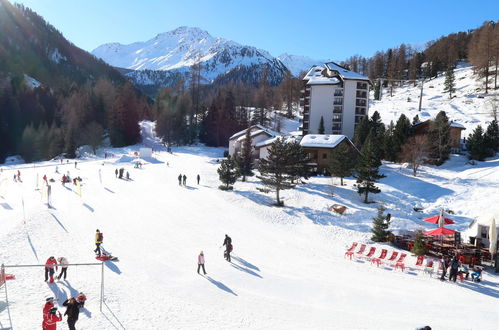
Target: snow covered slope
{"x":296,"y":63}
{"x":469,"y":107}
{"x":183,"y":47}
{"x":288,"y":269}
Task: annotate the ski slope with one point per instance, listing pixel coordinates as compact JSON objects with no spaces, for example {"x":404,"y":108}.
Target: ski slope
{"x":288,"y":269}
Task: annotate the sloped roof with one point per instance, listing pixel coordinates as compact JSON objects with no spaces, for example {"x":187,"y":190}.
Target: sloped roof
{"x":259,"y":128}
{"x":269,"y":141}
{"x":345,"y":73}
{"x":322,"y":140}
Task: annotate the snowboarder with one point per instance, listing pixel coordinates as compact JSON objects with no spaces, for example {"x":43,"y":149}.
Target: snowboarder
{"x":50,"y":264}
{"x":99,"y":237}
{"x":72,"y":311}
{"x":50,"y":321}
{"x":63,"y":262}
{"x":184,"y":179}
{"x":228,"y":247}
{"x":201,"y":262}
{"x":180,"y":179}
{"x":198,"y":178}
{"x":116,"y":172}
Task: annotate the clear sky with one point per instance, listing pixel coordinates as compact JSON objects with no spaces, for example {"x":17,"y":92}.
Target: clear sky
{"x":321,"y":29}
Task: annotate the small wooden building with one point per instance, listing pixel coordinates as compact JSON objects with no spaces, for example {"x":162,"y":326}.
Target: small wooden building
{"x":423,"y":127}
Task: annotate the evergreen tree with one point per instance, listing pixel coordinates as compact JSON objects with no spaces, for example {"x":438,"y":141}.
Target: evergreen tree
{"x":477,"y":148}
{"x":342,"y":161}
{"x":450,"y":81}
{"x":274,"y":170}
{"x":491,"y":137}
{"x":439,"y":138}
{"x":321,"y":129}
{"x":419,"y":247}
{"x":367,"y":171}
{"x":389,"y":151}
{"x":402,"y":131}
{"x":228,"y":173}
{"x":377,"y":90}
{"x":245,"y":160}
{"x":361,"y":132}
{"x":298,"y":160}
{"x":380,"y":226}
{"x":378,"y":130}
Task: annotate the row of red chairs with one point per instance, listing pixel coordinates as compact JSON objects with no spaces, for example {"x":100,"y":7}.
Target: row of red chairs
{"x":396,"y":259}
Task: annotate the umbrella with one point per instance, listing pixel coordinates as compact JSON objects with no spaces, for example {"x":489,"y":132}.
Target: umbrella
{"x":440,"y":231}
{"x":439,"y":219}
{"x":493,"y":237}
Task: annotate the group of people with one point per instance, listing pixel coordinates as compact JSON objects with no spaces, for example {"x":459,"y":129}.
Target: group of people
{"x":455,"y":268}
{"x":51,"y":315}
{"x":228,"y":249}
{"x":182,"y":179}
{"x":51,"y":266}
{"x":121,"y":173}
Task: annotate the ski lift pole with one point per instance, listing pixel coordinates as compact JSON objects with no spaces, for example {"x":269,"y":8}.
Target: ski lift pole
{"x":6,"y":296}
{"x":102,"y":287}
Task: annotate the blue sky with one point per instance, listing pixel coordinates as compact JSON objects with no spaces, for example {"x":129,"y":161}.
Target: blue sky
{"x":318,"y":29}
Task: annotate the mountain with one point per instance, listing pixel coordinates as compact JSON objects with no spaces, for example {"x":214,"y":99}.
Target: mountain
{"x":177,"y":50}
{"x":296,"y":63}
{"x":32,"y":47}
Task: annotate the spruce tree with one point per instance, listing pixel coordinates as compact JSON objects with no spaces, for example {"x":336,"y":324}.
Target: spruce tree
{"x":298,"y":160}
{"x":439,"y":139}
{"x":419,"y":247}
{"x":389,"y":151}
{"x":227,"y":173}
{"x":450,"y":81}
{"x":380,"y":226}
{"x":491,"y":137}
{"x":274,"y":170}
{"x":321,"y":129}
{"x":361,"y":132}
{"x":244,"y":161}
{"x":342,"y":161}
{"x":367,"y":171}
{"x":401,"y":132}
{"x":477,"y":148}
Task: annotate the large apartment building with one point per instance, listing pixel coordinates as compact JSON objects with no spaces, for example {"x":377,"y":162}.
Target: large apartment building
{"x":338,"y":95}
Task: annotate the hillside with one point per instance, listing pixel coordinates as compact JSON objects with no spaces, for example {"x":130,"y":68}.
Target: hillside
{"x":288,"y":269}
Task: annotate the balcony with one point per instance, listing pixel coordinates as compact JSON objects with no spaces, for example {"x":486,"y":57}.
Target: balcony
{"x":360,"y":102}
{"x":361,"y":94}
{"x":338,"y":92}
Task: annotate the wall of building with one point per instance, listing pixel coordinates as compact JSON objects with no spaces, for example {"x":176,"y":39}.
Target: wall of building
{"x":321,"y":104}
{"x":349,"y":108}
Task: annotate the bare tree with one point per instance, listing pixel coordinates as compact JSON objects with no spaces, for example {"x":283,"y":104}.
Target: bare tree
{"x":493,"y":105}
{"x":414,"y":152}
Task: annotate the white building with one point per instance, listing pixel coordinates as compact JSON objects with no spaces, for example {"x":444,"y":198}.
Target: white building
{"x":338,"y":95}
{"x":258,"y":134}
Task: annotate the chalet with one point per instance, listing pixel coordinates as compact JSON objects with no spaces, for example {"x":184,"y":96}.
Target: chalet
{"x":422,"y":128}
{"x":258,"y":133}
{"x":263,"y":146}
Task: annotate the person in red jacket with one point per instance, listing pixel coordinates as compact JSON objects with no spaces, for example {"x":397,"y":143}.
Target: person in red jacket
{"x":49,"y":303}
{"x":50,"y":321}
{"x":50,"y":264}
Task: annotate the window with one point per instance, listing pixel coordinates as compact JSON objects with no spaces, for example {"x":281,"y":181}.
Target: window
{"x":361,"y":85}
{"x":337,"y":109}
{"x":336,"y":126}
{"x":360,"y":111}
{"x":361,"y":94}
{"x":360,"y":102}
{"x":338,"y":92}
{"x":324,"y":156}
{"x":338,"y":100}
{"x":336,"y":118}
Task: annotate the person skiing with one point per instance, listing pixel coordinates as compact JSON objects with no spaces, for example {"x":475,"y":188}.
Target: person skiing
{"x":50,"y":321}
{"x":99,"y":237}
{"x":72,"y":311}
{"x":50,"y":264}
{"x":180,"y":179}
{"x":201,"y":262}
{"x":228,"y":247}
{"x":184,"y":179}
{"x":198,"y":178}
{"x":63,"y":262}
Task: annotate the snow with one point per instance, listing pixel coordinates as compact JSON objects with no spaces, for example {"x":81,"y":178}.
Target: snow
{"x":288,"y":270}
{"x":321,"y":140}
{"x":344,"y":73}
{"x":31,"y":82}
{"x":297,"y":64}
{"x":56,"y":56}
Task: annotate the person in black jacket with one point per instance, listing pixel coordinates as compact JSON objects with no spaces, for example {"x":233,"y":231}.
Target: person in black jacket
{"x":228,"y":247}
{"x":72,"y":311}
{"x":454,"y":268}
{"x":445,"y":265}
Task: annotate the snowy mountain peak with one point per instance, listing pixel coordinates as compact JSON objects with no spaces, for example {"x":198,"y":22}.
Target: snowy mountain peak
{"x":297,"y":63}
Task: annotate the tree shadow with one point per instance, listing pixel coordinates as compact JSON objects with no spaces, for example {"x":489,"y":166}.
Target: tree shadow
{"x":244,"y":269}
{"x":112,"y":266}
{"x":220,"y":285}
{"x":60,"y":224}
{"x":245,"y":263}
{"x":477,"y":287}
{"x":91,"y":209}
{"x":258,"y":198}
{"x":32,"y":247}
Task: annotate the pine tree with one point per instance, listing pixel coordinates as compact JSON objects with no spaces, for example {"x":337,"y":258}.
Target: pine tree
{"x":228,"y":174}
{"x":402,"y":131}
{"x":298,"y":160}
{"x":380,"y":226}
{"x":450,"y":81}
{"x":367,"y":171}
{"x":244,"y":161}
{"x":361,"y":132}
{"x":439,"y":138}
{"x":342,"y":161}
{"x":321,"y":129}
{"x":419,"y":247}
{"x":491,"y":137}
{"x":275,"y":168}
{"x":377,"y":90}
{"x":477,"y":148}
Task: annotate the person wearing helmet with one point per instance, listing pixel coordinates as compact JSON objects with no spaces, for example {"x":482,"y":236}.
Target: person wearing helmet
{"x":51,"y":319}
{"x":64,"y":267}
{"x":50,"y":264}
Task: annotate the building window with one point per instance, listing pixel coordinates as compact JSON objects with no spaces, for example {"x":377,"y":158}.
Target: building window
{"x":336,"y":118}
{"x":361,"y":85}
{"x":360,"y":111}
{"x":324,"y":156}
{"x":337,"y":109}
{"x":361,"y":94}
{"x":360,"y":102}
{"x":336,"y":126}
{"x":338,"y":92}
{"x":338,"y":100}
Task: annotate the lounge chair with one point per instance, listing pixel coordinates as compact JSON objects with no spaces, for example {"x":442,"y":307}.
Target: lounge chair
{"x":419,"y":263}
{"x":379,"y":259}
{"x":369,"y":254}
{"x":400,"y":262}
{"x":361,"y":250}
{"x":429,"y":267}
{"x":349,"y":252}
{"x":393,"y":257}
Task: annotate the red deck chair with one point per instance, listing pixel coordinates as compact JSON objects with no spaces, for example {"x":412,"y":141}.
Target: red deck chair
{"x":400,"y":263}
{"x":429,"y":267}
{"x":369,"y":254}
{"x":361,"y":250}
{"x":393,"y":257}
{"x":349,"y":252}
{"x":381,"y":257}
{"x":419,"y":263}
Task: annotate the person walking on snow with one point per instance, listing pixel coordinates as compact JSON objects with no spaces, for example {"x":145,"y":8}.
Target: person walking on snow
{"x":228,"y":247}
{"x":184,"y":179}
{"x":50,"y":321}
{"x":180,"y":179}
{"x":201,"y":262}
{"x":454,"y":267}
{"x":50,"y":264}
{"x":72,"y":311}
{"x":63,"y":262}
{"x":49,"y":303}
{"x":198,"y":178}
{"x":99,"y":237}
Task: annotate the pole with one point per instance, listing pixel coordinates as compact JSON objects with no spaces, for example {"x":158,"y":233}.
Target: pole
{"x":102,"y":287}
{"x":421,"y":96}
{"x":6,"y":296}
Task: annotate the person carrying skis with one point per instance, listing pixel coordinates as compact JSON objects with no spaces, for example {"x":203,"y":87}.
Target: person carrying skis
{"x":72,"y":311}
{"x":64,"y":267}
{"x":180,"y":179}
{"x":228,"y":247}
{"x":50,"y":321}
{"x":99,"y":237}
{"x":201,"y":262}
{"x":50,"y":264}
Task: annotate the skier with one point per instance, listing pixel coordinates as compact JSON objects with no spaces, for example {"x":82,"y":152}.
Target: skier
{"x":49,"y":269}
{"x":50,"y":321}
{"x":64,"y":267}
{"x":72,"y":311}
{"x":180,"y":179}
{"x":99,"y":237}
{"x":228,"y":247}
{"x":201,"y":262}
{"x":198,"y":178}
{"x":184,"y":179}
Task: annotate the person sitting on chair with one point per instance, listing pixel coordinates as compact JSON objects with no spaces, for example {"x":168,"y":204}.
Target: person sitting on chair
{"x":476,"y":274}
